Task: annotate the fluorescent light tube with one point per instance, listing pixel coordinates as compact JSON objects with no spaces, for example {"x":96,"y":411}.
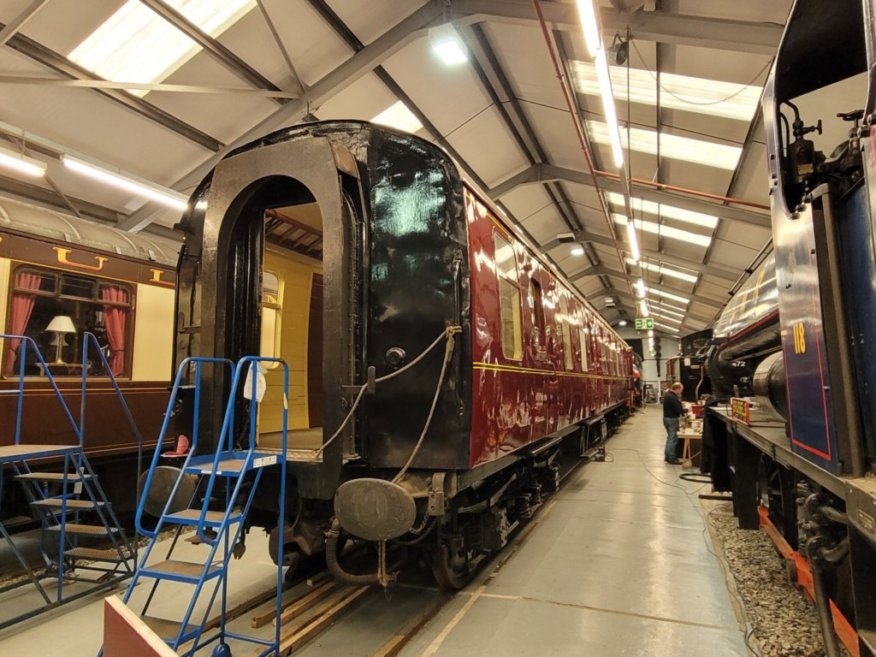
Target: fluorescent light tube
{"x":643,"y":308}
{"x":590,"y":25}
{"x":126,"y":181}
{"x":640,"y":288}
{"x":634,"y":241}
{"x":577,"y":250}
{"x":608,"y":109}
{"x":22,"y":163}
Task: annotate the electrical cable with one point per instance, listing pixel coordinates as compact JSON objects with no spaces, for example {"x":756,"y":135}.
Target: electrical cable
{"x":687,"y":101}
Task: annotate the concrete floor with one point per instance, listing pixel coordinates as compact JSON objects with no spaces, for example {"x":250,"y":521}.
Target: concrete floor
{"x":619,"y":563}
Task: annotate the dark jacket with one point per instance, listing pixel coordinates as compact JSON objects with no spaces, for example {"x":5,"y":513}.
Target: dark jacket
{"x":672,"y":407}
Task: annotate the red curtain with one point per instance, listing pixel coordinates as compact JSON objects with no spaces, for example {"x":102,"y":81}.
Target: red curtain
{"x":22,"y":307}
{"x":115,"y":318}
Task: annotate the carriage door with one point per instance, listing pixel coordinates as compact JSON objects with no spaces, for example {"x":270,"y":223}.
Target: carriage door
{"x":290,"y":290}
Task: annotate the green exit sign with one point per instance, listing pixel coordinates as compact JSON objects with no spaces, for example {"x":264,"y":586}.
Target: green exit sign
{"x":644,"y":323}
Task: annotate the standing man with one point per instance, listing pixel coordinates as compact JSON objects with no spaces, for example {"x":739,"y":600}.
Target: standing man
{"x":673,"y":410}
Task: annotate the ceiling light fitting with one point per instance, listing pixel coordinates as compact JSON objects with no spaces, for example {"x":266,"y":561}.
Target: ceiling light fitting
{"x":447,"y":44}
{"x":21,"y":163}
{"x":596,"y":49}
{"x":126,"y":181}
{"x":643,"y":308}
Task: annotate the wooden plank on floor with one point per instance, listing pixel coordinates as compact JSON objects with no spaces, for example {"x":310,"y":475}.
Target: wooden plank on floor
{"x":394,"y":646}
{"x":296,"y":639}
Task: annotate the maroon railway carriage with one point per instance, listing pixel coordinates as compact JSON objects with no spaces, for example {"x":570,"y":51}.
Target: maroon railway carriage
{"x":543,"y":360}
{"x":408,"y":251}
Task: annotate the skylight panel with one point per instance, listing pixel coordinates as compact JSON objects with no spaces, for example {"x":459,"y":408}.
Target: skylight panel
{"x":668,"y":310}
{"x":657,"y":314}
{"x":398,"y":116}
{"x":666,"y":231}
{"x":663,"y":210}
{"x":137,"y":45}
{"x":662,"y":270}
{"x":663,"y":294}
{"x":679,"y":92}
{"x":697,"y":151}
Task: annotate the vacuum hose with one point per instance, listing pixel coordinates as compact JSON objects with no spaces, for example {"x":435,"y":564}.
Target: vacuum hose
{"x":332,"y":536}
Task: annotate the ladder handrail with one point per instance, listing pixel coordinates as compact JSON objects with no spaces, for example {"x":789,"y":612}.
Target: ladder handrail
{"x":227,"y":426}
{"x":89,"y":337}
{"x":174,"y":392}
{"x":25,"y":340}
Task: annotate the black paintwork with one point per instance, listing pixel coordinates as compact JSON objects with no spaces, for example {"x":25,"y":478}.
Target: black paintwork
{"x":402,"y":261}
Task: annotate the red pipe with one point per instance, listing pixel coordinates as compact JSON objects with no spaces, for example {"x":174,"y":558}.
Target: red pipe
{"x":684,"y":190}
{"x":582,"y":140}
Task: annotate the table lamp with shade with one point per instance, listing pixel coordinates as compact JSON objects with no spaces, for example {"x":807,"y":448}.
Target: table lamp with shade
{"x":60,"y":325}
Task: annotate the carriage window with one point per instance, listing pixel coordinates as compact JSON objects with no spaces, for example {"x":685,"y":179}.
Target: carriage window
{"x":509,"y":298}
{"x":55,"y":309}
{"x":565,"y":329}
{"x":272,"y":306}
{"x":536,"y":311}
{"x":582,"y":338}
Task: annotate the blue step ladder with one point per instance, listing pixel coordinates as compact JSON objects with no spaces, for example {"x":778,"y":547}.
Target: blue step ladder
{"x":69,"y":503}
{"x":240,"y":471}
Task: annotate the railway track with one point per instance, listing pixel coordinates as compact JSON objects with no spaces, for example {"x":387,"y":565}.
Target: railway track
{"x":315,"y":602}
{"x":307,"y":614}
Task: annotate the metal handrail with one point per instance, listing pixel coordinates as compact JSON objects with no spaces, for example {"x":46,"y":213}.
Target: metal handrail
{"x":226,"y":432}
{"x":197,"y":361}
{"x":25,"y":340}
{"x":88,"y":338}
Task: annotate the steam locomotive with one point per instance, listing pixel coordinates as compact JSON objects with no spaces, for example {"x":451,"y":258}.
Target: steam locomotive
{"x":796,"y":338}
{"x":440,"y":367}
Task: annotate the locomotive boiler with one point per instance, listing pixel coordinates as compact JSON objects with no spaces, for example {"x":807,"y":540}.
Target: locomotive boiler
{"x":440,"y":367}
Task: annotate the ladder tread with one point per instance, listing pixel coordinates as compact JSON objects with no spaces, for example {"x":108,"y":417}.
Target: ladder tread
{"x":231,"y":463}
{"x":23,"y":452}
{"x":52,"y":476}
{"x":87,"y":530}
{"x":225,"y":466}
{"x":95,"y":554}
{"x":189,"y":570}
{"x":56,"y":503}
{"x":191,"y":517}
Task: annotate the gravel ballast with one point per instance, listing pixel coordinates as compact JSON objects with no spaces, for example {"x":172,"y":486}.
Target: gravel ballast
{"x":782,"y":619}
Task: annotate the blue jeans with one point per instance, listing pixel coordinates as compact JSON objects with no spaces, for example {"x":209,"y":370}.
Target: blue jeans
{"x":671,"y":424}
